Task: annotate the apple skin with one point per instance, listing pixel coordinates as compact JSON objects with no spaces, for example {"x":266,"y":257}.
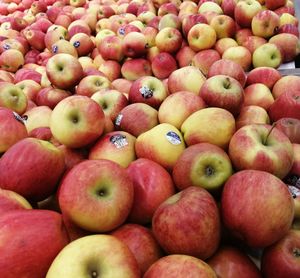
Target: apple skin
{"x":184,"y":56}
{"x":168,"y":39}
{"x":12,"y":129}
{"x":152,"y":186}
{"x":134,"y":45}
{"x":203,"y":165}
{"x":248,"y":191}
{"x":77,"y":115}
{"x":204,"y":59}
{"x":178,"y":265}
{"x":295,"y":170}
{"x":281,"y":259}
{"x":50,"y":96}
{"x":163,"y":65}
{"x":106,"y":187}
{"x":207,"y":125}
{"x":133,"y":69}
{"x":222,"y":44}
{"x":267,"y":55}
{"x":265,"y":75}
{"x":285,"y":84}
{"x":141,"y":242}
{"x":117,"y":146}
{"x":290,"y":127}
{"x":273,"y":5}
{"x":190,"y":20}
{"x":31,"y":74}
{"x":223,"y":91}
{"x":194,"y":231}
{"x":245,"y":11}
{"x":274,"y":156}
{"x":27,"y":164}
{"x":90,"y":84}
{"x":95,"y":249}
{"x":239,"y":54}
{"x":230,"y":262}
{"x":34,"y":230}
{"x":286,"y":105}
{"x":11,"y":60}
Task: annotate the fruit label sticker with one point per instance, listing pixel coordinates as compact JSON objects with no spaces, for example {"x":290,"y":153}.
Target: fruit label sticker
{"x":119,"y":140}
{"x":122,"y":31}
{"x":294,"y":191}
{"x":76,"y":44}
{"x":293,"y":180}
{"x":54,"y":48}
{"x":20,"y":118}
{"x":173,"y":138}
{"x":146,"y":92}
{"x":118,"y":119}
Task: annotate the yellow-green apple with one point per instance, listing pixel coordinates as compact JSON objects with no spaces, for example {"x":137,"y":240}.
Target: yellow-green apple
{"x":134,"y":44}
{"x":12,"y":97}
{"x":141,"y":242}
{"x":200,"y":232}
{"x":267,"y":55}
{"x":89,"y":255}
{"x":265,"y":75}
{"x":83,"y":44}
{"x":90,"y":84}
{"x":50,"y":96}
{"x":228,"y":7}
{"x":289,"y":44}
{"x":27,"y":164}
{"x":289,"y":28}
{"x":38,"y":116}
{"x":281,"y":258}
{"x":231,"y":262}
{"x":178,"y":265}
{"x":117,"y":146}
{"x":265,"y":23}
{"x":244,"y":12}
{"x":169,"y":40}
{"x":184,"y":56}
{"x":286,"y":105}
{"x":98,"y":185}
{"x":10,"y":200}
{"x":201,"y":36}
{"x":224,"y":26}
{"x":77,"y":121}
{"x":239,"y":54}
{"x":223,"y":91}
{"x":163,"y":144}
{"x":209,"y":6}
{"x":12,"y":129}
{"x":111,"y":48}
{"x":136,"y":118}
{"x":169,"y":20}
{"x":261,"y":191}
{"x":149,"y":90}
{"x":290,"y":127}
{"x":258,"y":94}
{"x":190,"y":20}
{"x":252,"y":114}
{"x":230,"y":68}
{"x":253,"y":42}
{"x":184,"y":102}
{"x":286,"y":83}
{"x":64,"y":46}
{"x":152,"y":186}
{"x":264,"y":147}
{"x":188,"y":78}
{"x":272,"y":4}
{"x":224,"y":43}
{"x":132,"y":69}
{"x":64,"y":71}
{"x":11,"y":60}
{"x":163,"y":64}
{"x":111,"y":101}
{"x":209,"y":125}
{"x":287,"y":18}
{"x":203,"y":165}
{"x":34,"y":230}
{"x":204,"y":59}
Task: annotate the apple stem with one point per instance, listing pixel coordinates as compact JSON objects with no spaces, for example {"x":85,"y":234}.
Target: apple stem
{"x":209,"y":171}
{"x":296,"y":252}
{"x":226,"y":83}
{"x":266,"y":139}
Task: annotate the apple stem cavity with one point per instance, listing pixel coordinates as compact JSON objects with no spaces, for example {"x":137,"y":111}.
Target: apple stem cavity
{"x":209,"y":171}
{"x":296,"y":252}
{"x":94,"y":274}
{"x":226,"y":83}
{"x":267,"y":137}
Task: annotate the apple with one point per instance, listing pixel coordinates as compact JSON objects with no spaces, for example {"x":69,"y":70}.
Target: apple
{"x":132,"y":69}
{"x":290,"y":127}
{"x":209,"y":6}
{"x":244,"y":12}
{"x":287,"y":18}
{"x":11,"y":60}
{"x":6,"y":76}
{"x":252,"y":114}
{"x":117,"y":146}
{"x":261,"y":191}
{"x":33,"y":230}
{"x":265,"y":23}
{"x":188,"y":78}
{"x":64,"y":46}
{"x":284,"y":84}
{"x":264,"y":147}
{"x":55,"y":33}
{"x":239,"y":54}
{"x":190,"y":20}
{"x":167,"y":8}
{"x":224,"y":26}
{"x":77,"y":121}
{"x":242,"y":35}
{"x":231,"y":262}
{"x":204,"y":59}
{"x":184,"y":56}
{"x":203,"y":165}
{"x":136,"y":118}
{"x":105,"y":186}
{"x":64,"y":71}
{"x":169,"y":20}
{"x":169,"y":40}
{"x":228,"y":7}
{"x":286,"y":105}
{"x":91,"y":84}
{"x":295,"y":170}
{"x":209,"y":125}
{"x":50,"y":96}
{"x":253,"y":42}
{"x":289,"y":28}
{"x":200,"y":232}
{"x":265,"y":75}
{"x":111,"y":48}
{"x":267,"y":55}
{"x":272,"y":5}
{"x":27,"y":74}
{"x":83,"y":44}
{"x":163,"y":144}
{"x":134,"y":45}
{"x":230,"y":68}
{"x":79,"y":26}
{"x":223,"y":91}
{"x":163,"y":64}
{"x":149,"y":90}
{"x":177,"y":265}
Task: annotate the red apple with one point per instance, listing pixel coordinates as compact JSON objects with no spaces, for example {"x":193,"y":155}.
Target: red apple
{"x":290,"y":127}
{"x":286,"y":83}
{"x":163,"y":65}
{"x":252,"y":114}
{"x":132,"y":69}
{"x":265,"y":75}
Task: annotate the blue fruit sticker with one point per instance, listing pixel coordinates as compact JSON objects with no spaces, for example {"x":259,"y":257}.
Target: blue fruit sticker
{"x":119,"y":140}
{"x":173,"y":138}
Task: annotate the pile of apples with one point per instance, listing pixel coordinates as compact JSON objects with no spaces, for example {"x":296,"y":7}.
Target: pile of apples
{"x":149,"y":138}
